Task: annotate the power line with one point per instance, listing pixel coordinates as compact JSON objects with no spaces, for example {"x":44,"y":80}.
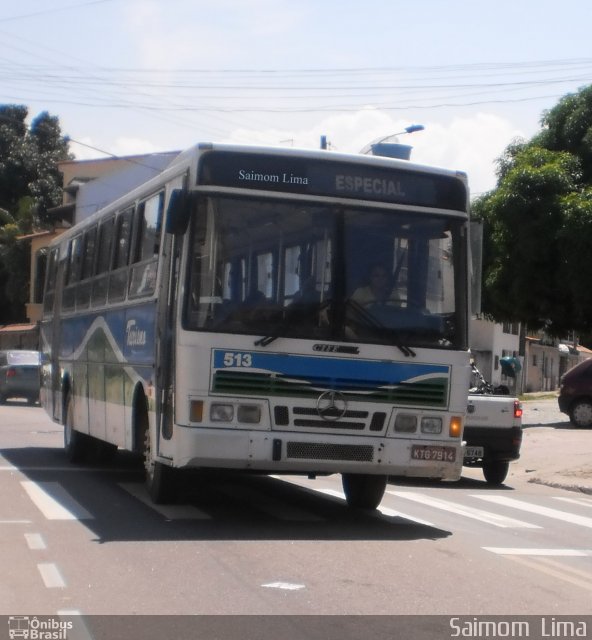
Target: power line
{"x":54,"y":10}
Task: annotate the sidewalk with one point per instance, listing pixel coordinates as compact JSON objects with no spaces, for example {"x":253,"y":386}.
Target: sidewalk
{"x":553,"y":452}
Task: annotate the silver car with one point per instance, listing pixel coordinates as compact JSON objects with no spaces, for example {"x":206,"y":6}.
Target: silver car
{"x":19,"y":375}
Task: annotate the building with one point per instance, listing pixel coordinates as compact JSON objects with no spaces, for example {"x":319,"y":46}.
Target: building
{"x":490,"y":342}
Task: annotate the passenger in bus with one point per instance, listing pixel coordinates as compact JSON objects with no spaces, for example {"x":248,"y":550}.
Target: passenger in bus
{"x":308,"y":292}
{"x":379,"y":289}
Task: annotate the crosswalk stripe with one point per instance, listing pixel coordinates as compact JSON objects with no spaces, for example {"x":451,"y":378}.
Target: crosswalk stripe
{"x":54,"y":502}
{"x":384,"y":510}
{"x":581,"y":502}
{"x":169,"y":511}
{"x":564,"y":516}
{"x":468,"y":512}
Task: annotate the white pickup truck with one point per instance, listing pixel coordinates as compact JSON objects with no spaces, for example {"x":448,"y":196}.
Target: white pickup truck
{"x":493,"y":432}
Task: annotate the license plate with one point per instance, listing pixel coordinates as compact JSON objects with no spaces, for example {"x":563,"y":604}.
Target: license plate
{"x":433,"y":453}
{"x":474,"y":452}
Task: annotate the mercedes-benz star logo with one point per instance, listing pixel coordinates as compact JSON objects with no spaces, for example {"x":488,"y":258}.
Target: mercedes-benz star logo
{"x":331,"y":405}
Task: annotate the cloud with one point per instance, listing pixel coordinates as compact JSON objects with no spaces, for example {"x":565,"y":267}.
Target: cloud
{"x":470,"y":144}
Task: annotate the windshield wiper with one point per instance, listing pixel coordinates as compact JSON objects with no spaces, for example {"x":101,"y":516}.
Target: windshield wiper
{"x":375,"y":323}
{"x":265,"y":340}
{"x":294,"y":317}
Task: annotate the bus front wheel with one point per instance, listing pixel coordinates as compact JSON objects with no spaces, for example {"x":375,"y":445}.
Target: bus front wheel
{"x":75,"y":443}
{"x":160,"y":478}
{"x":363,"y":491}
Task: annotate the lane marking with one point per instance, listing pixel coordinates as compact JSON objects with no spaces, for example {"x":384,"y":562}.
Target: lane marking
{"x":468,"y":512}
{"x":287,"y":586}
{"x":564,"y":567}
{"x":564,"y":516}
{"x":550,"y":571}
{"x":15,"y":521}
{"x":517,"y":551}
{"x":54,"y":502}
{"x":51,"y":576}
{"x":35,"y":541}
{"x":169,"y":511}
{"x":68,"y":612}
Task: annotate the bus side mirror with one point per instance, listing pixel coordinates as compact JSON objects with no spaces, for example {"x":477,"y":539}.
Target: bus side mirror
{"x":178,"y":212}
{"x":476,"y":264}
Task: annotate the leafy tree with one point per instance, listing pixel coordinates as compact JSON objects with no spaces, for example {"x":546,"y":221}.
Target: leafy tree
{"x":30,"y":184}
{"x":538,"y":224}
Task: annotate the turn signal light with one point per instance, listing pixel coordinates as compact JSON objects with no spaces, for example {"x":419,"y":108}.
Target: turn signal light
{"x":456,"y":427}
{"x":196,"y":411}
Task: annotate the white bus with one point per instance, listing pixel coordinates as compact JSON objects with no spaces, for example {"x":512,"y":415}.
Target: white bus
{"x":209,"y":320}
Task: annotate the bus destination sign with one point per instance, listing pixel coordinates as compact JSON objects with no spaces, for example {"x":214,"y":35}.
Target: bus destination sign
{"x":310,"y":176}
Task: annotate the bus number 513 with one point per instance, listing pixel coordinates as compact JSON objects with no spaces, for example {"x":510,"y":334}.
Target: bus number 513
{"x":237,"y":359}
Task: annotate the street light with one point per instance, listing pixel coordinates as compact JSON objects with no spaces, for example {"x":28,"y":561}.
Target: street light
{"x":393,"y":149}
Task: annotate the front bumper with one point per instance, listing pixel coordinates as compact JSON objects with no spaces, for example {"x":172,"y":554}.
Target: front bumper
{"x":289,"y":452}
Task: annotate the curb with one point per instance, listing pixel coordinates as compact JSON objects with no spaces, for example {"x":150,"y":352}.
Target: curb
{"x":557,"y":484}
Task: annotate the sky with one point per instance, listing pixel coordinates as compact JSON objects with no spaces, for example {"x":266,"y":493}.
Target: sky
{"x":137,"y":76}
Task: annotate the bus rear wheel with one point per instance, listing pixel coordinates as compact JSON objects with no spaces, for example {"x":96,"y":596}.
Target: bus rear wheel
{"x":363,"y":491}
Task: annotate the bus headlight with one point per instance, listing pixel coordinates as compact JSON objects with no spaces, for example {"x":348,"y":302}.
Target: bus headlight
{"x":221,"y":413}
{"x":249,"y":413}
{"x":405,"y":423}
{"x":431,"y":425}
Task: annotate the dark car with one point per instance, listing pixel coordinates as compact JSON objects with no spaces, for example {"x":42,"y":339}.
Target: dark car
{"x":575,"y":394}
{"x":19,"y":375}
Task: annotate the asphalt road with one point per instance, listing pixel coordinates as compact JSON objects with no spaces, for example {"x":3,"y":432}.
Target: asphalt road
{"x":87,"y":539}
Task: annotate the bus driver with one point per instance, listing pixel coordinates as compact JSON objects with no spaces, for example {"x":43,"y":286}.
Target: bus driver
{"x":379,"y":289}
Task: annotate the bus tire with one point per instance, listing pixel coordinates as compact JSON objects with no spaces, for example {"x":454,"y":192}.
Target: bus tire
{"x":75,"y":443}
{"x":495,"y":471}
{"x":363,"y":491}
{"x":160,"y":478}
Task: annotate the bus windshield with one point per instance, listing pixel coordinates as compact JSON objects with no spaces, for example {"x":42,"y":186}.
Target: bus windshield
{"x":288,"y":268}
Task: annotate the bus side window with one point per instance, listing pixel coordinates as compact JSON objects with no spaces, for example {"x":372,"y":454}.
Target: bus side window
{"x":87,"y":268}
{"x":122,"y":240}
{"x":72,"y":273}
{"x":146,"y":246}
{"x":50,"y":282}
{"x":104,"y":244}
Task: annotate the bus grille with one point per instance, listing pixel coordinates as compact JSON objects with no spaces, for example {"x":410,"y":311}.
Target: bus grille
{"x":431,"y":393}
{"x":327,"y":451}
{"x":308,"y":417}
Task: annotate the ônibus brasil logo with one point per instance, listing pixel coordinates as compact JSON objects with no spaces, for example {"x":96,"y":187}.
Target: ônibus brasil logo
{"x":36,"y":629}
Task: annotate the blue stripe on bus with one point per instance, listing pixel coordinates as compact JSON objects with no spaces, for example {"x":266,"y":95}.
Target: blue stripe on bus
{"x":326,"y":367}
{"x":127,"y":335}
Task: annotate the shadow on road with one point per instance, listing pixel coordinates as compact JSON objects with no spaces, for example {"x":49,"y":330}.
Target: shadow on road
{"x":222,"y":506}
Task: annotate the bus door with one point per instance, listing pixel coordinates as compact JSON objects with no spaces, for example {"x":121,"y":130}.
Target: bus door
{"x":51,"y":343}
{"x":166,"y":319}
